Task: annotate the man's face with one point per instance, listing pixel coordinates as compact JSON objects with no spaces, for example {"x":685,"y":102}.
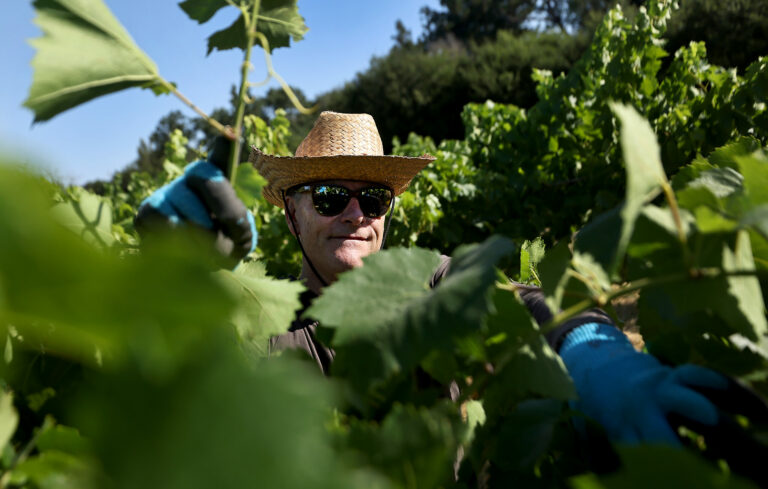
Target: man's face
{"x":338,"y":243}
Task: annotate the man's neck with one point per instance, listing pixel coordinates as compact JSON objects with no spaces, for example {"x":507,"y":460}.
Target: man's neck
{"x":310,"y":280}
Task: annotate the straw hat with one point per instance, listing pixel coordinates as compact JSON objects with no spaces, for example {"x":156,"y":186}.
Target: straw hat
{"x":339,"y":147}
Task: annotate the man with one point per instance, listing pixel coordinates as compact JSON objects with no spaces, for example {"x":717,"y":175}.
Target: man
{"x":337,"y":192}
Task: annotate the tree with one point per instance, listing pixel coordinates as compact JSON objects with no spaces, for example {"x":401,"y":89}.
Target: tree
{"x":735,"y":31}
{"x":475,"y":19}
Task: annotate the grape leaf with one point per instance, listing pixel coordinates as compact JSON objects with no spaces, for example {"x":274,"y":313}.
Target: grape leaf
{"x":266,"y":307}
{"x":63,"y":439}
{"x":414,"y":446}
{"x":278,"y":20}
{"x":58,"y":470}
{"x":248,"y":184}
{"x":525,"y":433}
{"x":9,"y":418}
{"x":151,"y":309}
{"x":645,"y":174}
{"x":553,"y":272}
{"x":66,"y":74}
{"x":755,"y":171}
{"x":384,"y":288}
{"x":745,"y":290}
{"x":725,"y":156}
{"x":662,"y":467}
{"x":722,"y":182}
{"x":202,"y":10}
{"x":218,"y":422}
{"x":531,"y":253}
{"x":405,"y":320}
{"x":758,"y":219}
{"x":90,"y":217}
{"x":524,"y":364}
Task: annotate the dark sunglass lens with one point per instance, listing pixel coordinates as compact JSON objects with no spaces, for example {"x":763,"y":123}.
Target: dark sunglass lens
{"x":330,"y":200}
{"x":374,"y":201}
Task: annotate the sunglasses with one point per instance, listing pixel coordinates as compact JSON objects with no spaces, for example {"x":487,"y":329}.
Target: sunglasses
{"x":331,"y":199}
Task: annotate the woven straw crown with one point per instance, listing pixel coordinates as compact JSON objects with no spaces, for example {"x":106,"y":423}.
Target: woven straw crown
{"x":339,"y":147}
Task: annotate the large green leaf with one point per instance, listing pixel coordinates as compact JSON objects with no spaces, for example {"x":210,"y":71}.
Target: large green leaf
{"x":383,"y":288}
{"x":83,"y":54}
{"x":607,"y":237}
{"x":266,"y":307}
{"x":404,"y":320}
{"x":278,"y":20}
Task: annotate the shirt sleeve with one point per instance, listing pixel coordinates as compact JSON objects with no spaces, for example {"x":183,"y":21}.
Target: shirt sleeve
{"x":534,"y":300}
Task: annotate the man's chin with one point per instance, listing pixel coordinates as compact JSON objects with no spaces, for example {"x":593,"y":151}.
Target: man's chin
{"x":348,"y":260}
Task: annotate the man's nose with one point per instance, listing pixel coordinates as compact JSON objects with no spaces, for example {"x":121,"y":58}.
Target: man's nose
{"x":353,"y":212}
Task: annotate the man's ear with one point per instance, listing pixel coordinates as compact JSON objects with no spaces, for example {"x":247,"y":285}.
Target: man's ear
{"x":290,"y":215}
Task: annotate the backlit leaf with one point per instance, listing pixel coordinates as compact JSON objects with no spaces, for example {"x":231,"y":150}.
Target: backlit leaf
{"x":645,"y":174}
{"x":248,"y":184}
{"x":278,"y":20}
{"x":745,"y":290}
{"x":84,"y":53}
{"x":9,"y":418}
{"x":202,"y":10}
{"x":266,"y":307}
{"x":89,"y":216}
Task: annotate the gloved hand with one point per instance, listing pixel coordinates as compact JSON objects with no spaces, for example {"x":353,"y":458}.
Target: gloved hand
{"x":637,"y":399}
{"x":631,"y":394}
{"x":203,"y":196}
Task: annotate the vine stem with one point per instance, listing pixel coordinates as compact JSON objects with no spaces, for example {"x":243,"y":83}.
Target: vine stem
{"x":669,"y":194}
{"x":271,"y":73}
{"x":251,"y":19}
{"x":700,"y":273}
{"x":226,"y":131}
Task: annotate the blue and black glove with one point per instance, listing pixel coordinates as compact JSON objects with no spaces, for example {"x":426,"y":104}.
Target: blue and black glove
{"x":637,"y":399}
{"x":203,"y":197}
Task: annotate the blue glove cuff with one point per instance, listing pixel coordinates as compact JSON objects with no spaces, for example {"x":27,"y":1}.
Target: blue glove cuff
{"x":592,"y":334}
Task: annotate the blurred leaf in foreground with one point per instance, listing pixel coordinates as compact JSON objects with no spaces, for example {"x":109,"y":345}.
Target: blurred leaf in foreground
{"x":661,"y":467}
{"x":9,"y":418}
{"x":84,"y":53}
{"x":218,"y":422}
{"x":90,"y":304}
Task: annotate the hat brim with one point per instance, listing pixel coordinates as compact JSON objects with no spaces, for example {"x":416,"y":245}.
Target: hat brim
{"x":284,"y":172}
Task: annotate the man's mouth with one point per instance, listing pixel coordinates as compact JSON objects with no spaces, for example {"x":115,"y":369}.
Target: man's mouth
{"x":350,"y":237}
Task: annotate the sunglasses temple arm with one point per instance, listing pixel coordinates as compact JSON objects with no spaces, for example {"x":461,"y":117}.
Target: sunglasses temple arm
{"x":298,"y":240}
{"x":388,"y":222}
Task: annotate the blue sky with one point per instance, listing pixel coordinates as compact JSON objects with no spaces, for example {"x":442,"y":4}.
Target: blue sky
{"x":101,"y":136}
